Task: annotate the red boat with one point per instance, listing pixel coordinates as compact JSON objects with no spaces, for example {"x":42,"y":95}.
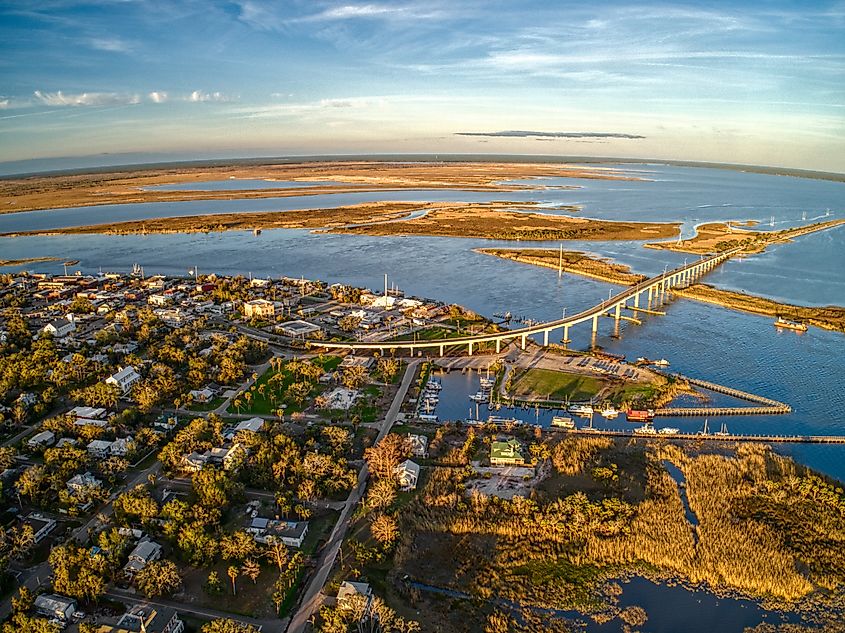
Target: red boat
{"x":640,"y":415}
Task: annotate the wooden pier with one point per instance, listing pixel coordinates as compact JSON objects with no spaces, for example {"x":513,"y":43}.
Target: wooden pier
{"x":718,"y":437}
{"x":714,"y":411}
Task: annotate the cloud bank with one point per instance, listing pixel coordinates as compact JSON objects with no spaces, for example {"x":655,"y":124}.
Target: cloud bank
{"x":547,"y":135}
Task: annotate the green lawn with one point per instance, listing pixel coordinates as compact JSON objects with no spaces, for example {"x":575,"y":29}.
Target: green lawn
{"x":555,"y":385}
{"x":263,"y":404}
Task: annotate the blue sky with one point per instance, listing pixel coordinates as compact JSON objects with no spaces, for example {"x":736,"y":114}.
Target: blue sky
{"x":755,"y":82}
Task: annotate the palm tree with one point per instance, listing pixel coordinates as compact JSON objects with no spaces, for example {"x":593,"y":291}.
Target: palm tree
{"x":233,"y":574}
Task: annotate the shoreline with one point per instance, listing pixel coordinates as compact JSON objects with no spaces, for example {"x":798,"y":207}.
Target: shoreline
{"x":27,"y":260}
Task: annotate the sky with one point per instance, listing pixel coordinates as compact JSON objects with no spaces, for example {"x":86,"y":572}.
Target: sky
{"x":759,"y":82}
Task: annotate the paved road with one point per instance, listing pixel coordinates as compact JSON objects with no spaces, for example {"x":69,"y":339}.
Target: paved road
{"x":312,"y":597}
{"x":270,"y":625}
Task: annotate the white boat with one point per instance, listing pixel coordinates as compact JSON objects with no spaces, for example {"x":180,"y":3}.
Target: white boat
{"x":433,"y":384}
{"x":668,"y":430}
{"x":609,"y":412}
{"x":478,"y":397}
{"x":486,"y":383}
{"x":661,"y":363}
{"x":581,"y":409}
{"x":494,"y":419}
{"x":647,"y":429}
{"x":563,"y":422}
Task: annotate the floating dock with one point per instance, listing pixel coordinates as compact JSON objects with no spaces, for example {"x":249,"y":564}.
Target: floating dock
{"x":719,"y":437}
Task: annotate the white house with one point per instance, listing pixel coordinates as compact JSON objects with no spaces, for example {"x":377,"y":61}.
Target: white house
{"x":144,"y":552}
{"x":349,"y":589}
{"x":59,"y":328}
{"x":291,"y":533}
{"x":253,"y":424}
{"x":408,"y":473}
{"x":122,"y":446}
{"x":42,"y":439}
{"x":99,"y":448}
{"x":201,"y":395}
{"x":81,"y":482}
{"x":125,"y":379}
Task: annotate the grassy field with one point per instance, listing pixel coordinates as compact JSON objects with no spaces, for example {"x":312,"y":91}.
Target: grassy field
{"x":556,"y":385}
{"x":264,"y":404}
{"x":211,"y":405}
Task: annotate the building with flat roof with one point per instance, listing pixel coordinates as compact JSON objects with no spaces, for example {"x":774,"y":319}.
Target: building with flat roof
{"x":259,"y":308}
{"x":299,"y":329}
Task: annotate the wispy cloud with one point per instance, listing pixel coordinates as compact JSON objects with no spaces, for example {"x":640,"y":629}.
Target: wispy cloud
{"x":158,"y":96}
{"x":59,"y":98}
{"x":200,"y":96}
{"x":551,"y":135}
{"x":110,"y":44}
{"x":4,"y":103}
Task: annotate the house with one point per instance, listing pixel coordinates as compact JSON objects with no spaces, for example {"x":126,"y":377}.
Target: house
{"x":122,"y":446}
{"x":298,"y":329}
{"x":227,"y":456}
{"x":146,"y":551}
{"x":81,"y":482}
{"x":194,"y":462}
{"x":291,"y":533}
{"x":146,"y":618}
{"x":125,"y":379}
{"x":408,"y":473}
{"x":506,"y":453}
{"x":99,"y":448}
{"x":93,"y":413}
{"x":66,"y":441}
{"x":42,"y":439}
{"x":253,"y":424}
{"x":41,"y":525}
{"x":349,"y":589}
{"x":90,"y":422}
{"x":59,"y":328}
{"x":201,"y":395}
{"x":52,"y":605}
{"x":259,"y":308}
{"x":419,"y":445}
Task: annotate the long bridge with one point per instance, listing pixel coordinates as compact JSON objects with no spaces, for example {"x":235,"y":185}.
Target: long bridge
{"x":655,"y":287}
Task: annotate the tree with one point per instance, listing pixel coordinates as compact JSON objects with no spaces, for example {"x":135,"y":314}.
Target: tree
{"x":233,"y":572}
{"x":251,"y":569}
{"x":77,"y":573}
{"x":384,"y":457}
{"x":385,"y":529}
{"x":381,"y":493}
{"x":213,"y":585}
{"x":277,"y":552}
{"x":22,"y":623}
{"x":136,"y":505}
{"x":388,"y":368}
{"x":226,"y":625}
{"x":158,"y":578}
{"x":354,"y":377}
{"x":237,"y":546}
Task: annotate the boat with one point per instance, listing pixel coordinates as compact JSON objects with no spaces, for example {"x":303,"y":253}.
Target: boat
{"x":494,"y":419}
{"x":486,"y":383}
{"x":581,"y":409}
{"x":478,"y":397}
{"x":640,"y":415}
{"x":70,"y":262}
{"x":137,"y":270}
{"x":646,"y":429}
{"x":562,"y":422}
{"x":661,"y":363}
{"x":790,"y":325}
{"x":609,"y":412}
{"x":668,"y":430}
{"x":433,"y":384}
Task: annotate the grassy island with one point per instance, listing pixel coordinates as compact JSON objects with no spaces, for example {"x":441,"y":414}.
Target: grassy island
{"x":129,"y":186}
{"x":717,"y":237}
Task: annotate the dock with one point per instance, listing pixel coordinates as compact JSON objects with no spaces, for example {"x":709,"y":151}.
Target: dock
{"x":718,"y":437}
{"x":767,"y":406}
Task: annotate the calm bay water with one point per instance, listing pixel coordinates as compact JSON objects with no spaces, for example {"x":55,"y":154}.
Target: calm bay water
{"x":806,"y":370}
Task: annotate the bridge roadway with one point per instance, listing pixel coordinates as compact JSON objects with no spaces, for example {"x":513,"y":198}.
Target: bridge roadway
{"x":653,"y":287}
